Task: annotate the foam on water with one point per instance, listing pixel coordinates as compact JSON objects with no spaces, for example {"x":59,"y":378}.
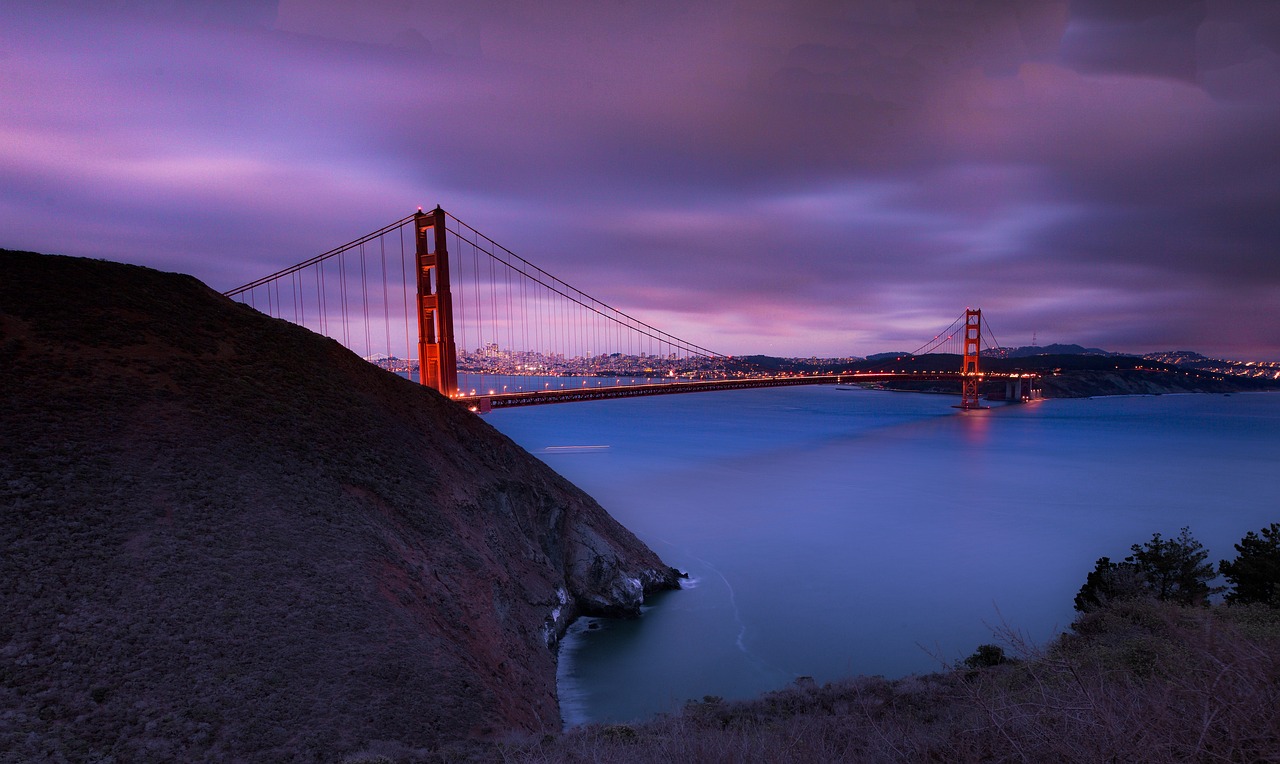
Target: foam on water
{"x":572,"y":692}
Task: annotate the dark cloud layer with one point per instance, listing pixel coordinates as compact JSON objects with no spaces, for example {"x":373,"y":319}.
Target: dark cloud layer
{"x":1095,"y":172}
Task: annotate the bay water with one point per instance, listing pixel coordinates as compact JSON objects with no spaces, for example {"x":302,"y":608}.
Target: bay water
{"x":830,"y":531}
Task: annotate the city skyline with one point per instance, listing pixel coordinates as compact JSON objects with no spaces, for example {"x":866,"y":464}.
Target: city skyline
{"x":789,"y":179}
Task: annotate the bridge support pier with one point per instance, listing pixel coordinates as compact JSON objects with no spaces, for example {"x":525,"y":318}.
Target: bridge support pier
{"x":1021,"y":389}
{"x":437,"y":353}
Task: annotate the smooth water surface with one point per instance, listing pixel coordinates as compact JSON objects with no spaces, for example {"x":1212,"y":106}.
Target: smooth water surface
{"x":831,"y":531}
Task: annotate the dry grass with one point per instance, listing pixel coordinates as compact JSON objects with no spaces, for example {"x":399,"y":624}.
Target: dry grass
{"x":1134,"y":682}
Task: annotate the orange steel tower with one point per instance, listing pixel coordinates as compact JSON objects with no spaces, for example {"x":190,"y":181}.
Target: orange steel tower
{"x":437,"y":353}
{"x":969,"y":366}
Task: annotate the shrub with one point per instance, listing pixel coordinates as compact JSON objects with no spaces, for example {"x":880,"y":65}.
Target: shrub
{"x":986,"y":655}
{"x":1171,"y":570}
{"x":1110,"y":582}
{"x":1175,"y":568}
{"x":1254,"y":575}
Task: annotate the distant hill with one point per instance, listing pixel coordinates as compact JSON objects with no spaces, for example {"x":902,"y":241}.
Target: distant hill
{"x":1054,"y":349}
{"x":762,"y":362}
{"x":1018,"y":352}
{"x":1079,"y":376}
{"x":1069,"y":375}
{"x":1185,"y":359}
{"x":226,"y":538}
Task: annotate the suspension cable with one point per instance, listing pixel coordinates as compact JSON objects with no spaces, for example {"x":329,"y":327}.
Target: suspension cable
{"x":651,"y":332}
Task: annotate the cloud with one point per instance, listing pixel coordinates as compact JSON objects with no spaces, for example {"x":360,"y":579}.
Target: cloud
{"x":817,"y":177}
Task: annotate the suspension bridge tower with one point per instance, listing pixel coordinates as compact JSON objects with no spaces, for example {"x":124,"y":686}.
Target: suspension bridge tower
{"x":437,"y":353}
{"x":969,"y":374}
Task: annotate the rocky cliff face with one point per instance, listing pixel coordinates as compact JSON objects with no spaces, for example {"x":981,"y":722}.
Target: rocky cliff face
{"x":1089,"y":383}
{"x":223,"y":537}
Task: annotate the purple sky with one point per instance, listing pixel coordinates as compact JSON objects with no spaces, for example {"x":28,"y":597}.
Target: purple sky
{"x":790,"y":178}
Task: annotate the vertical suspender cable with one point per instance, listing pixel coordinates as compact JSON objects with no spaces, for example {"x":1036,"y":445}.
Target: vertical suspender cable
{"x":404,"y":289}
{"x":386,"y":308}
{"x":364,"y":300}
{"x":342,"y":293}
{"x":475,"y":280}
{"x":460,"y":317}
{"x":537,"y":324}
{"x":321,"y":295}
{"x":524,"y":312}
{"x":510,"y":326}
{"x":493,"y":299}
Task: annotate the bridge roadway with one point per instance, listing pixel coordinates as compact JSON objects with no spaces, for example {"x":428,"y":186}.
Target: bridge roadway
{"x":502,"y":400}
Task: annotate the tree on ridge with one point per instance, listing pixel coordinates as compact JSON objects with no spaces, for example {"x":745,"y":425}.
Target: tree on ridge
{"x":1254,"y":574}
{"x":1172,"y":570}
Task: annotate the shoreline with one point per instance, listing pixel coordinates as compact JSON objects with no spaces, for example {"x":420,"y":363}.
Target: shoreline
{"x":668,"y":640}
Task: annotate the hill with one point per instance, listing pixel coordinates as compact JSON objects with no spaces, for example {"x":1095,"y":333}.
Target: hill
{"x":226,"y":538}
{"x":1027,"y":351}
{"x":1081,"y":376}
{"x":1073,"y":375}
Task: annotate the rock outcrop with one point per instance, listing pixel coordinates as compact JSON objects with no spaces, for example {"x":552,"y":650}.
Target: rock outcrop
{"x":224,"y":537}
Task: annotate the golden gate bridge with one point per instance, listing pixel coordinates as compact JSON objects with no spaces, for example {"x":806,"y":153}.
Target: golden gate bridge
{"x":469,"y":313}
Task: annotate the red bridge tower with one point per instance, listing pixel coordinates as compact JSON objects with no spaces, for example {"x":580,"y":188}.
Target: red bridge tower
{"x":437,"y":353}
{"x":969,"y":374}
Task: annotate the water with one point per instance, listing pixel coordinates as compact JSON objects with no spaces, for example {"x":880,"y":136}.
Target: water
{"x":830,"y":532}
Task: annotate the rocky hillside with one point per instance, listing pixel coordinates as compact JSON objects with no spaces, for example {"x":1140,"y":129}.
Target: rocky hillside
{"x":1082,"y":376}
{"x":1085,"y":383}
{"x":223,"y":537}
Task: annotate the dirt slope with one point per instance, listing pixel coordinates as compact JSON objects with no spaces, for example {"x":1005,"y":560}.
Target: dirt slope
{"x":223,"y":537}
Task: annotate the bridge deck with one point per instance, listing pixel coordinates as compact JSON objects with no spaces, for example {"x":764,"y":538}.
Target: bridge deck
{"x":503,"y":400}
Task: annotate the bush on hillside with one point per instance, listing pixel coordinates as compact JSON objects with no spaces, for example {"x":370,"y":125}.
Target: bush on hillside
{"x":1170,"y":570}
{"x":985,"y":656}
{"x":1254,"y":575}
{"x":1110,"y":582}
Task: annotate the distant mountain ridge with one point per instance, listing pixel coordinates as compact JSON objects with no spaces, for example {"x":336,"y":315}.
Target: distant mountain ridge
{"x":1055,"y":349}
